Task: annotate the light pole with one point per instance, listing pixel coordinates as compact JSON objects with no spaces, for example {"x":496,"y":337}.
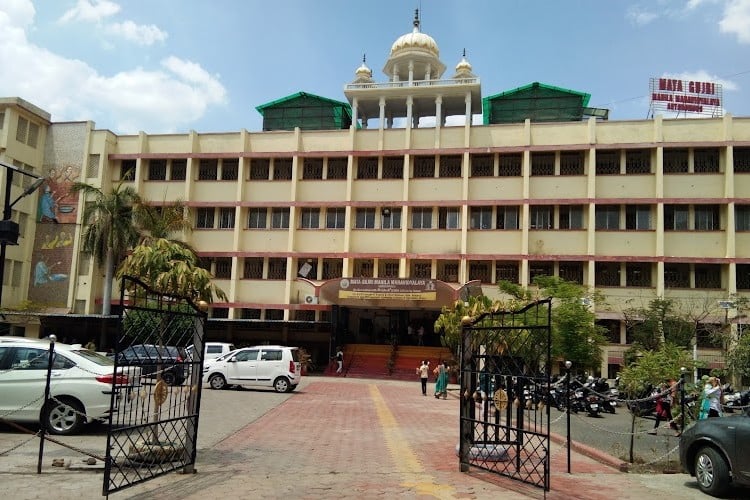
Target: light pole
{"x":9,"y":229}
{"x":568,"y":364}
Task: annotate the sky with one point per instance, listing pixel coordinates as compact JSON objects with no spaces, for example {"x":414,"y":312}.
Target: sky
{"x":171,"y":66}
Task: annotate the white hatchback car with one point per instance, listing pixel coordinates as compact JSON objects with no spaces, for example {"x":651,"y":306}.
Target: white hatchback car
{"x":81,"y":384}
{"x":260,"y":366}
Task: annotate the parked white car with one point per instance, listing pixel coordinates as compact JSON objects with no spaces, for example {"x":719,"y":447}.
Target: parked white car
{"x":213,"y":350}
{"x":260,"y":366}
{"x":81,"y":384}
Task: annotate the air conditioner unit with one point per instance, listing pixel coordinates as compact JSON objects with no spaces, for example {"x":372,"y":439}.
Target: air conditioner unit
{"x":311,"y":299}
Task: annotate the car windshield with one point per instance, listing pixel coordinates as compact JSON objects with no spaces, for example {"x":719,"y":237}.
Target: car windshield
{"x":95,"y":357}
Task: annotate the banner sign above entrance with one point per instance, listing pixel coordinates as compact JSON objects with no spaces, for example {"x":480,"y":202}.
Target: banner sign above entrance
{"x":387,"y":289}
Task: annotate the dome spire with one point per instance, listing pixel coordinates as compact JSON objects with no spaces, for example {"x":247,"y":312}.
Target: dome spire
{"x":416,"y":19}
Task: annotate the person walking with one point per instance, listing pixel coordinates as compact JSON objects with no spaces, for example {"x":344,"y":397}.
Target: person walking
{"x":423,"y":371}
{"x":339,"y":360}
{"x":441,"y":384}
{"x":663,"y":412}
{"x":712,"y":398}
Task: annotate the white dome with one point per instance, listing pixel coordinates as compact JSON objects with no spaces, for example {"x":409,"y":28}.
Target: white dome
{"x":415,"y":40}
{"x":363,"y":70}
{"x":463,"y":66}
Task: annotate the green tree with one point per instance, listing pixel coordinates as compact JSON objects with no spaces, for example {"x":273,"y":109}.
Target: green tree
{"x":108,"y":230}
{"x":169,"y":221}
{"x":449,"y":323}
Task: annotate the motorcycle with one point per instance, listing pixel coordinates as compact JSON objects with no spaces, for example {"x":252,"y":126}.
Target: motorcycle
{"x":736,"y":401}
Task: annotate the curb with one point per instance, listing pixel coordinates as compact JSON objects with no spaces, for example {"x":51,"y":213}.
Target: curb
{"x":592,"y":453}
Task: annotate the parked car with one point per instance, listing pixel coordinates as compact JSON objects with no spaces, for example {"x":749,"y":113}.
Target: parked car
{"x":81,"y":385}
{"x":260,"y":366}
{"x":153,"y":359}
{"x":212,"y":350}
{"x":715,"y":451}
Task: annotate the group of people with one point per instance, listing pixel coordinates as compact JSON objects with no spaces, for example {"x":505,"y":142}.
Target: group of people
{"x":441,"y":382}
{"x":665,"y":396}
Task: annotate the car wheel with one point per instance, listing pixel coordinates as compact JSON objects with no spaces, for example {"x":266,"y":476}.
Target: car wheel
{"x":168,"y":378}
{"x":281,"y":384}
{"x":711,"y":471}
{"x":217,"y":382}
{"x":63,"y":416}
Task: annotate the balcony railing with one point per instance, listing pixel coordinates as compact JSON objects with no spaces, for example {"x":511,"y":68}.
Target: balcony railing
{"x":413,"y":83}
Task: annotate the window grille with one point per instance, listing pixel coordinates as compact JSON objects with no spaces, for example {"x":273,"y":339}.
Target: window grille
{"x":280,"y":218}
{"x":389,"y":268}
{"x":179,"y":169}
{"x":424,"y":166}
{"x":537,"y":268}
{"x":448,"y":271}
{"x":638,"y":274}
{"x":706,"y":161}
{"x":390,"y":218}
{"x":226,"y":217}
{"x":337,"y":168}
{"x":741,"y":160}
{"x":230,"y":169}
{"x":742,"y":217}
{"x":33,"y":135}
{"x":92,"y":168}
{"x":571,"y":163}
{"x":312,"y":168}
{"x":157,"y":170}
{"x":675,"y":161}
{"x":253,"y":268}
{"x":638,"y":161}
{"x":708,"y":276}
{"x":638,"y":217}
{"x":208,"y":169}
{"x":676,"y":275}
{"x":507,"y":271}
{"x":219,"y":312}
{"x":393,"y":167}
{"x":2,"y":119}
{"x":508,"y":217}
{"x":274,"y":314}
{"x":282,"y":169}
{"x":204,"y":218}
{"x":310,"y":218}
{"x":450,"y":166}
{"x":480,"y":218}
{"x":367,"y":168}
{"x":260,"y":169}
{"x":22,"y":129}
{"x":256,"y":218}
{"x":676,"y":217}
{"x":449,"y":218}
{"x":127,"y":170}
{"x":743,"y":276}
{"x":608,"y":217}
{"x":510,"y":165}
{"x":363,"y":268}
{"x":542,"y":164}
{"x":365,"y":218}
{"x":223,"y":268}
{"x":250,"y":313}
{"x":421,"y":269}
{"x":607,"y":274}
{"x":571,"y":217}
{"x":15,"y":279}
{"x":333,"y":268}
{"x":707,"y":218}
{"x":308,"y":315}
{"x":421,"y":218}
{"x":277,"y":268}
{"x":336,"y":218}
{"x":571,"y":271}
{"x":480,"y":270}
{"x":607,"y":162}
{"x":482,"y":165}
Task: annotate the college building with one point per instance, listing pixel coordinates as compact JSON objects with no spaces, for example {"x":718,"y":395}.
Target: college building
{"x":355,"y":219}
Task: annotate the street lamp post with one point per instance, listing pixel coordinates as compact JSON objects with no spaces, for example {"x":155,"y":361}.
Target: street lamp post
{"x":9,"y":229}
{"x":568,"y":364}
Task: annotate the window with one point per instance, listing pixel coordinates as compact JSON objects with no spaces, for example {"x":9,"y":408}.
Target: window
{"x":675,"y":161}
{"x":393,"y":167}
{"x":638,"y":274}
{"x":260,"y":169}
{"x":253,"y":268}
{"x":607,"y":162}
{"x":22,"y":129}
{"x":127,"y":170}
{"x":312,"y":168}
{"x":390,"y":218}
{"x":280,"y":218}
{"x":571,"y":217}
{"x":449,"y":218}
{"x":208,"y":169}
{"x":743,"y":276}
{"x":450,"y":166}
{"x":608,"y":217}
{"x":607,"y":274}
{"x":219,"y":312}
{"x":365,"y":218}
{"x":367,"y":168}
{"x":335,"y":218}
{"x":741,"y":160}
{"x":33,"y":137}
{"x":706,"y":161}
{"x":571,"y":163}
{"x":256,"y":218}
{"x":421,"y":218}
{"x":229,"y":169}
{"x":480,"y":218}
{"x":204,"y":218}
{"x":223,"y":268}
{"x":157,"y":170}
{"x":92,"y":167}
{"x":333,"y":268}
{"x":282,"y":169}
{"x":480,"y":270}
{"x":540,"y":269}
{"x":421,"y":269}
{"x":307,"y":268}
{"x":742,"y":217}
{"x":481,"y":165}
{"x":707,"y":218}
{"x":276,"y":268}
{"x":676,"y":217}
{"x":2,"y":119}
{"x":510,"y":165}
{"x":424,"y":166}
{"x":612,"y":327}
{"x":507,"y":271}
{"x":310,"y":218}
{"x":676,"y":275}
{"x":447,"y":271}
{"x":540,"y":217}
{"x":389,"y":268}
{"x":226,"y":217}
{"x":542,"y":164}
{"x":708,"y":276}
{"x":179,"y":169}
{"x":638,"y":161}
{"x":507,"y":217}
{"x":571,"y":271}
{"x":274,"y":314}
{"x":337,"y":168}
{"x":363,"y":268}
{"x":638,"y":217}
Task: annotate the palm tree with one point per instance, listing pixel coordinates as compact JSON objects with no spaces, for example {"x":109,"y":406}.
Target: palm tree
{"x":154,"y":222}
{"x":109,"y":231}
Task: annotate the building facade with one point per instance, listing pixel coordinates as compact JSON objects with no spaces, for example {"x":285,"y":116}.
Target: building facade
{"x":361,"y":226}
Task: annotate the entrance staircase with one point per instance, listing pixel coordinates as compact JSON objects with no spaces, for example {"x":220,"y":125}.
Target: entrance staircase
{"x":371,"y":361}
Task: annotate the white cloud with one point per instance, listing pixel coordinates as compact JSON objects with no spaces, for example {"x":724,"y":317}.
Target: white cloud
{"x":91,"y":11}
{"x":164,"y":99}
{"x":140,"y":34}
{"x":736,"y":20}
{"x":641,"y":17}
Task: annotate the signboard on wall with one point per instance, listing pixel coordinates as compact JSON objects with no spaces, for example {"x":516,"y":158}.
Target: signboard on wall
{"x":686,"y":97}
{"x":387,"y":289}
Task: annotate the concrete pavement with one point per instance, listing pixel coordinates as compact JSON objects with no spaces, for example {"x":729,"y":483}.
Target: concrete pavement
{"x":350,"y":438}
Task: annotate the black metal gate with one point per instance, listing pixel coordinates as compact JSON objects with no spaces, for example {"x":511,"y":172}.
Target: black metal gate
{"x":505,"y":378}
{"x":153,"y":427}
